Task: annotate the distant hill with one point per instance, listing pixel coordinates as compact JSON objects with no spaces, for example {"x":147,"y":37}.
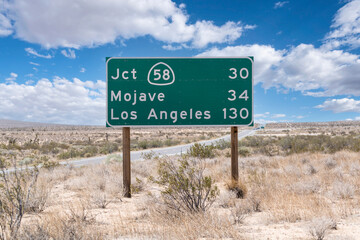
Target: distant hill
{"x":6,"y":123}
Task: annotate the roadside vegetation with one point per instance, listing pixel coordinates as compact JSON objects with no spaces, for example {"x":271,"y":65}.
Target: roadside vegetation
{"x":290,"y":187}
{"x":89,"y":142}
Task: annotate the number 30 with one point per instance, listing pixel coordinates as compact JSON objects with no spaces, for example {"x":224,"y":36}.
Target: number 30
{"x":243,"y":73}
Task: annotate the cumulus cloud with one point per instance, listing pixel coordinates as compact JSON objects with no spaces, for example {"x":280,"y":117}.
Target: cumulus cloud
{"x":313,"y":71}
{"x":35,"y":53}
{"x":69,"y":53}
{"x":266,"y":59}
{"x":91,"y":23}
{"x":340,"y":105}
{"x":5,"y":25}
{"x":320,"y":72}
{"x":57,"y":101}
{"x":346,"y":27}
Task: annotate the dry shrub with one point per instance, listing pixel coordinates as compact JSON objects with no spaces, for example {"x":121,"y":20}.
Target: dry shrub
{"x":76,"y":223}
{"x":201,"y":151}
{"x":16,"y":186}
{"x":227,"y":199}
{"x":330,"y":163}
{"x":309,"y":169}
{"x":255,"y":199}
{"x":354,"y":169}
{"x":39,"y":196}
{"x":186,"y":188}
{"x":241,"y":210}
{"x":320,"y":226}
{"x":306,"y":187}
{"x":238,"y":187}
{"x":100,"y":198}
{"x":201,"y":225}
{"x":343,"y":190}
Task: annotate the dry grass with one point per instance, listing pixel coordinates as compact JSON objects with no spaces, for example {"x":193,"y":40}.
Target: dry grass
{"x":296,"y":196}
{"x":279,"y":191}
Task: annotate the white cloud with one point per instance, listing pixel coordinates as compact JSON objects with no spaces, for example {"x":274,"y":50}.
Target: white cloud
{"x":280,"y":4}
{"x":346,"y":27}
{"x":57,"y":101}
{"x":357,"y":118}
{"x":319,"y":72}
{"x":172,"y":47}
{"x":206,"y":32}
{"x":78,"y":23}
{"x":313,"y":71}
{"x":12,"y":77}
{"x":82,"y":70}
{"x":340,"y":105}
{"x":35,"y":53}
{"x":35,"y":64}
{"x":69,"y":54}
{"x":279,"y":115}
{"x":5,"y":25}
{"x":266,"y":59}
{"x":268,"y":118}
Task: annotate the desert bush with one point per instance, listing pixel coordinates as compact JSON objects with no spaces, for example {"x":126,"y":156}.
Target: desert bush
{"x":237,"y":187}
{"x":40,"y":195}
{"x":343,"y":190}
{"x":114,"y":158}
{"x":201,"y":151}
{"x":330,"y":163}
{"x":185,"y":186}
{"x":302,"y":143}
{"x":16,"y":186}
{"x":30,"y":145}
{"x":145,"y":144}
{"x":306,"y":187}
{"x":227,"y":199}
{"x":320,"y":226}
{"x":222,"y":144}
{"x":171,"y":142}
{"x":46,"y":163}
{"x":52,"y":147}
{"x":244,"y":151}
{"x":76,"y":223}
{"x":354,"y":168}
{"x":89,"y":151}
{"x":70,"y":153}
{"x":240,"y":212}
{"x":309,"y":169}
{"x":138,"y":186}
{"x":100,"y":198}
{"x":108,"y":148}
{"x":254,"y":200}
{"x":148,"y":155}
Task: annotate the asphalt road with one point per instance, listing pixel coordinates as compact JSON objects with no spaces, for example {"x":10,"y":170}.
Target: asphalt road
{"x":174,"y":150}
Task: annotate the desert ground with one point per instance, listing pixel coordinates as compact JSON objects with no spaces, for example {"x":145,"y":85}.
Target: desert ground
{"x":297,"y":181}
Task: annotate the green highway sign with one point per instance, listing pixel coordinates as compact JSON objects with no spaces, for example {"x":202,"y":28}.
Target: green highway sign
{"x":179,"y":91}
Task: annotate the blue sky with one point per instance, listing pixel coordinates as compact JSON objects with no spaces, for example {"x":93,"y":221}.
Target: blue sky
{"x":52,"y":53}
